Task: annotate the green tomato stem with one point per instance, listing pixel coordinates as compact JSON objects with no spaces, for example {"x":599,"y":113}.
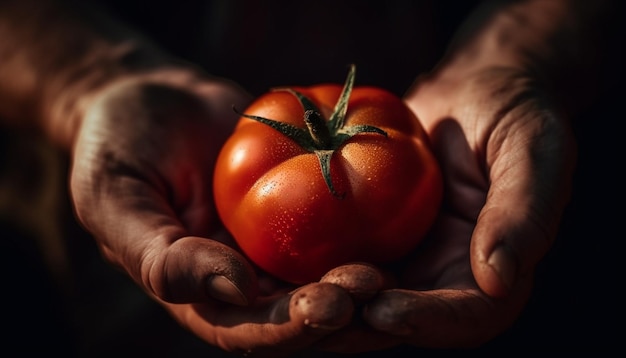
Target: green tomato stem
{"x":320,"y":136}
{"x":317,"y":129}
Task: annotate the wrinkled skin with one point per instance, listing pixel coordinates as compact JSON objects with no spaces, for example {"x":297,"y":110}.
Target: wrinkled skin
{"x":503,"y":164}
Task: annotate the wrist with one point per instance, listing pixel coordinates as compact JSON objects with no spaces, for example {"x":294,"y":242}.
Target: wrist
{"x":56,"y":55}
{"x":69,"y":92}
{"x":554,"y":43}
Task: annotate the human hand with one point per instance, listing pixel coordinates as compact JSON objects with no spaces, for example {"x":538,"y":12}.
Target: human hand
{"x":141,"y":183}
{"x":507,"y":158}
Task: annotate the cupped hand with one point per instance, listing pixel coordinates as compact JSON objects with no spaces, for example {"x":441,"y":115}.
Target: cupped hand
{"x":507,"y":156}
{"x":141,"y":184}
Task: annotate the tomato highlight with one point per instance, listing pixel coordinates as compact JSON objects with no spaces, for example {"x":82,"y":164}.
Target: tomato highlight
{"x":315,"y":177}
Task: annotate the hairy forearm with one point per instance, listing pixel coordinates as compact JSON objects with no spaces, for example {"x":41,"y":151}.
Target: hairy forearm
{"x":53,"y":54}
{"x":560,"y":42}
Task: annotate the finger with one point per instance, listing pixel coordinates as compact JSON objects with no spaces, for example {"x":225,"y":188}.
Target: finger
{"x":443,"y":318}
{"x":272,"y":327}
{"x":531,"y":170}
{"x":361,"y":280}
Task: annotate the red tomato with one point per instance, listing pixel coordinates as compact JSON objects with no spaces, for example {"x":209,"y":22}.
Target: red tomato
{"x":316,"y":177}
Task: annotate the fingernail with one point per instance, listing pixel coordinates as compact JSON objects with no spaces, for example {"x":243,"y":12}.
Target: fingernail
{"x":503,"y":261}
{"x":223,"y":289}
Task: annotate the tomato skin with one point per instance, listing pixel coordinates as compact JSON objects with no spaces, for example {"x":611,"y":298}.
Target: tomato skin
{"x":271,"y":196}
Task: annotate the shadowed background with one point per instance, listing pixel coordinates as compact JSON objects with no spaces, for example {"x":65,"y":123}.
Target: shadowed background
{"x":61,"y":297}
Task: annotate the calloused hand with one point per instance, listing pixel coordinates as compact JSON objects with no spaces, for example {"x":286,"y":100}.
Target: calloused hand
{"x":507,"y":157}
{"x":141,"y":184}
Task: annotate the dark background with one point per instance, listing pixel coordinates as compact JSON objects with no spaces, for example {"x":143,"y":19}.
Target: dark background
{"x":61,"y":297}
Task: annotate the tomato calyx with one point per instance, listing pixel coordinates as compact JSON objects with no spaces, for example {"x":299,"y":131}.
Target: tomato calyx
{"x":321,"y":137}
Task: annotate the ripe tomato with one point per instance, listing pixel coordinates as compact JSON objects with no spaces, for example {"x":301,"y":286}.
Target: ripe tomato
{"x":316,"y":177}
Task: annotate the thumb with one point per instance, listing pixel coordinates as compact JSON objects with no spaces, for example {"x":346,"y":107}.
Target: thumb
{"x":135,"y":228}
{"x":530,"y":186}
{"x":194,"y":269}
